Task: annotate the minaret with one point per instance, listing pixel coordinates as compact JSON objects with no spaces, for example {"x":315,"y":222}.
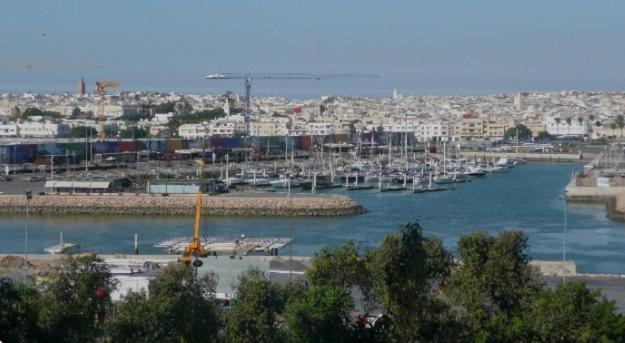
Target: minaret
{"x":227,"y":106}
{"x":81,"y":87}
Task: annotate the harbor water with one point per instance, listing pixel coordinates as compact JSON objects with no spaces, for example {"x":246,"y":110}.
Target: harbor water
{"x":528,"y":198}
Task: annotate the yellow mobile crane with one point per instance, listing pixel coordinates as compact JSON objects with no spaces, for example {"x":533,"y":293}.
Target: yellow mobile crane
{"x":101,"y":86}
{"x":195,"y":248}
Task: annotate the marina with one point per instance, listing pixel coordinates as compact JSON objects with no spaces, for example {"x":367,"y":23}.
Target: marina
{"x":528,"y":198}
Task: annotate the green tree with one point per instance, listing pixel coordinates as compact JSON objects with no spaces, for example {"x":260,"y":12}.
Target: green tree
{"x":620,"y":123}
{"x":133,"y":132}
{"x":409,"y":272}
{"x":133,"y":320}
{"x":495,"y":283}
{"x":134,"y":117}
{"x":75,"y":299}
{"x":544,"y":135}
{"x":573,"y":313}
{"x":521,"y":131}
{"x":254,"y":316}
{"x":31,"y":112}
{"x":19,"y":308}
{"x":201,"y":116}
{"x":81,"y":131}
{"x":342,"y":266}
{"x":323,"y":314}
{"x":165,"y":107}
{"x":180,"y":308}
{"x":76,"y":112}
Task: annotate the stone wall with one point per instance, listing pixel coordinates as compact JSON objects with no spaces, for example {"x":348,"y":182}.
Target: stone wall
{"x":256,"y":205}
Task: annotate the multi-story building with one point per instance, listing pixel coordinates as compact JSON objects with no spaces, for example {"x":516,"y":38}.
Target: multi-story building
{"x":9,"y":130}
{"x":319,"y":129}
{"x":43,"y":129}
{"x":567,"y":127}
{"x":271,"y":126}
{"x":469,"y":127}
{"x":193,"y":131}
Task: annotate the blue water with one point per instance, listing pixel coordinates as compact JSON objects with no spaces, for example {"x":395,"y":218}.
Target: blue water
{"x":527,"y":198}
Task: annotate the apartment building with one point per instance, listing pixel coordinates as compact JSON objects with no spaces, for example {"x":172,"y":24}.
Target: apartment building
{"x":9,"y":130}
{"x":469,"y":127}
{"x":43,"y":129}
{"x":564,"y":127}
{"x":193,"y":131}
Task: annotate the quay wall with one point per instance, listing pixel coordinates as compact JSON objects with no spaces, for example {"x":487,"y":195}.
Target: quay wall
{"x":132,"y":204}
{"x":613,"y":197}
{"x":534,"y":157}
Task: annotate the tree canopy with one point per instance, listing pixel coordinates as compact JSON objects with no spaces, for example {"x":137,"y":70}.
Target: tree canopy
{"x":133,"y":132}
{"x":407,"y":289}
{"x":521,"y":131}
{"x":81,"y":131}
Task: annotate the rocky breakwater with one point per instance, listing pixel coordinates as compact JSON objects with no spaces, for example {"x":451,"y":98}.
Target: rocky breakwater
{"x":145,"y":204}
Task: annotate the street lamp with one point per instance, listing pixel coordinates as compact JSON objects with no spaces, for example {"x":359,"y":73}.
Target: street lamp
{"x":564,"y":233}
{"x":29,"y":195}
{"x":288,"y":180}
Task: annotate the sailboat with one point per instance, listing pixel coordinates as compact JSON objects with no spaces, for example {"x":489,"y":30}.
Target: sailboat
{"x":62,"y":248}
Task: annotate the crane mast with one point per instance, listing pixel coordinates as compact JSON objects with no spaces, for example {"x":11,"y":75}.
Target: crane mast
{"x":101,"y":87}
{"x":195,"y":248}
{"x":249,"y":77}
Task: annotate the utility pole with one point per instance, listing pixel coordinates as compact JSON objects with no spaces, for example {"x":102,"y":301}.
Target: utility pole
{"x":29,"y":195}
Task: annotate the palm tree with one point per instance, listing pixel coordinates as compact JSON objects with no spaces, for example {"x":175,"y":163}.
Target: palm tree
{"x":558,"y":124}
{"x":568,"y":122}
{"x":580,"y":121}
{"x":613,"y":126}
{"x":620,"y":123}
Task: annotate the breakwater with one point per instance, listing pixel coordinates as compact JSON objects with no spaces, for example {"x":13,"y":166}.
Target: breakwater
{"x":133,"y":204}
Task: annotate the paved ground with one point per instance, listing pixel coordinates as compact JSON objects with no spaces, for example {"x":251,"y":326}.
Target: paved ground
{"x":18,"y":186}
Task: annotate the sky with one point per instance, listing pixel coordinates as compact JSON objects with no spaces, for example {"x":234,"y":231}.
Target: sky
{"x":419,"y":47}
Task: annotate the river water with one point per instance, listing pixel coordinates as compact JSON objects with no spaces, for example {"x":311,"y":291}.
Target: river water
{"x":526,"y":198}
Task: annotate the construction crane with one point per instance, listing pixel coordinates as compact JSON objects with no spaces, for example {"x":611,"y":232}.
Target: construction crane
{"x":195,"y":248}
{"x":101,"y":87}
{"x":249,"y":77}
{"x":44,"y":64}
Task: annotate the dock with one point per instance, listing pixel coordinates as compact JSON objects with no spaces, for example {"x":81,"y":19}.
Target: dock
{"x":241,"y":246}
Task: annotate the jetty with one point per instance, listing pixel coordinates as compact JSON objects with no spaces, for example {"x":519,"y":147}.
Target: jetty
{"x":241,"y":204}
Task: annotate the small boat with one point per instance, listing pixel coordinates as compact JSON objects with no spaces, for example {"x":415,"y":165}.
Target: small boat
{"x":62,"y":248}
{"x":392,"y":188}
{"x":358,"y":187}
{"x":427,"y":190}
{"x":443,"y":179}
{"x":498,"y":169}
{"x":475,"y":171}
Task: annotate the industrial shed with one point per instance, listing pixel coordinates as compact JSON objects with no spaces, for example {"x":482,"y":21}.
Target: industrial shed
{"x":78,"y":186}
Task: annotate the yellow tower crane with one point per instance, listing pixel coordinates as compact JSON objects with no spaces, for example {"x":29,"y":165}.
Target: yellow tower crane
{"x":195,"y":248}
{"x":101,"y":86}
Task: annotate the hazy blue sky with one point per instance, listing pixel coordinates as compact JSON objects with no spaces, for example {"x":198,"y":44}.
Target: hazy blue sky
{"x":416,"y":46}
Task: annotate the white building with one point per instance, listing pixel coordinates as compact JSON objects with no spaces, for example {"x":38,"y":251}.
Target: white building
{"x":193,"y":131}
{"x":162,"y":118}
{"x":269,"y":126}
{"x":319,"y":129}
{"x":228,"y":126}
{"x":9,"y":130}
{"x":46,"y":129}
{"x":431,"y":131}
{"x":562,"y":128}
